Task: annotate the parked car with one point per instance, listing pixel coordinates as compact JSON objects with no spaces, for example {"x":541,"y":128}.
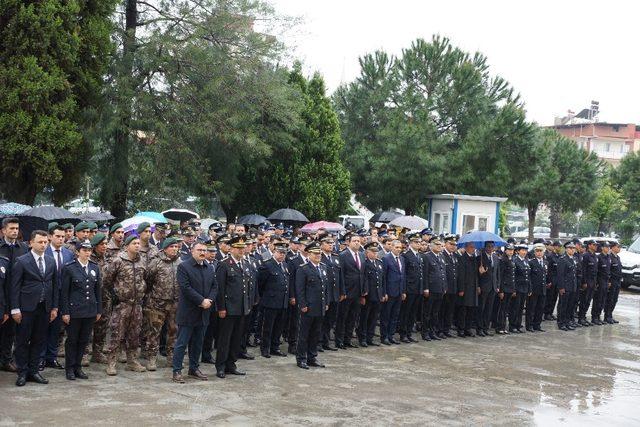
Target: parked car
{"x":630,"y":259}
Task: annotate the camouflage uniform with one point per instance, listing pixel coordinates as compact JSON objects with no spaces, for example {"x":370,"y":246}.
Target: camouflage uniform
{"x":112,"y":251}
{"x":101,"y":326}
{"x":161,"y":303}
{"x":147,"y":253}
{"x":124,"y":278}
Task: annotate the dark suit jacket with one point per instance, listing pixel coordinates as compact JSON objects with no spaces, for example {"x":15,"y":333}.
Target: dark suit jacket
{"x":233,"y":288}
{"x":196,"y":282}
{"x":395,"y":279}
{"x":312,"y":289}
{"x":81,"y":296}
{"x":468,"y":279}
{"x":451,"y":263}
{"x":67,"y":257}
{"x":435,"y":273}
{"x":490,"y":279}
{"x":27,"y":283}
{"x":374,"y":279}
{"x":336,"y":287}
{"x":413,"y":272}
{"x":539,"y":276}
{"x":566,"y":274}
{"x":11,"y":253}
{"x":4,"y":265}
{"x":352,"y":276}
{"x":273,"y":284}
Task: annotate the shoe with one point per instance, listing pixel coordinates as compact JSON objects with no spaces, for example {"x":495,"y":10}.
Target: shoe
{"x":302,"y":365}
{"x":501,"y":332}
{"x":553,"y":317}
{"x":393,"y":341}
{"x":80,"y":374}
{"x":177,"y":378}
{"x":320,"y":349}
{"x":234,"y":371}
{"x":341,"y":346}
{"x":441,"y":336}
{"x":563,"y":328}
{"x":363,"y":344}
{"x":122,"y":357}
{"x":98,"y":357}
{"x":220,"y":373}
{"x":278,"y":353}
{"x":530,"y":329}
{"x":412,"y":339}
{"x":614,"y":320}
{"x":351,"y":345}
{"x":571,"y":327}
{"x":329,"y":348}
{"x":21,"y":381}
{"x":152,"y":364}
{"x":245,"y":356}
{"x":314,"y":363}
{"x":373,"y":344}
{"x":487,"y":333}
{"x":404,"y":340}
{"x":469,"y":334}
{"x":577,"y":325}
{"x":37,"y":378}
{"x":609,"y":321}
{"x":197,"y":374}
{"x":133,"y":364}
{"x":385,"y":342}
{"x":520,"y":330}
{"x":70,"y":376}
{"x":449,"y":334}
{"x":539,"y":330}
{"x":9,"y":367}
{"x":461,"y":334}
{"x":111,"y":365}
{"x":265,"y":354}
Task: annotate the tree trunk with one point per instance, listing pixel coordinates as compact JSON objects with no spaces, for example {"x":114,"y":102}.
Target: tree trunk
{"x":123,"y":131}
{"x":532,"y":211}
{"x":555,"y":218}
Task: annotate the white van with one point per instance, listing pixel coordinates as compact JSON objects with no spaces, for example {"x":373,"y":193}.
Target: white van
{"x":630,"y":259}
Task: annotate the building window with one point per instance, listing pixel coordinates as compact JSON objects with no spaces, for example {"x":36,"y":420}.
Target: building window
{"x":445,"y":223}
{"x":482,"y":223}
{"x":468,"y":223}
{"x":608,"y":147}
{"x":436,"y":223}
{"x":441,"y":223}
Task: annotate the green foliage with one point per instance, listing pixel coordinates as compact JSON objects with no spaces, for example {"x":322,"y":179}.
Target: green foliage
{"x":626,"y":178}
{"x":607,"y":204}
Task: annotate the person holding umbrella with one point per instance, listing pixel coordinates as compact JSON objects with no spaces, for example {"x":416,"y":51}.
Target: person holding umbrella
{"x":468,"y":289}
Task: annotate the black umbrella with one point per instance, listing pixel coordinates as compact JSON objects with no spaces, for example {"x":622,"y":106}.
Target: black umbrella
{"x":96,"y":216}
{"x":38,"y":218}
{"x":288,"y":215}
{"x":180,"y":214}
{"x":385,"y":216}
{"x":253,"y":219}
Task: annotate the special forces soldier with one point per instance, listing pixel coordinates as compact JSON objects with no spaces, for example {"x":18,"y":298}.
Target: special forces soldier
{"x":162,"y":300}
{"x":99,"y":245}
{"x":124,"y":278}
{"x":147,"y":250}
{"x":312,"y":297}
{"x":82,"y":234}
{"x":589,"y":278}
{"x":567,"y":283}
{"x":603,"y":284}
{"x":115,"y":243}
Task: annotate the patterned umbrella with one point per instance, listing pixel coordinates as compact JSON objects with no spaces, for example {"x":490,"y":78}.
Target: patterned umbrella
{"x":315,"y":226}
{"x":12,"y":208}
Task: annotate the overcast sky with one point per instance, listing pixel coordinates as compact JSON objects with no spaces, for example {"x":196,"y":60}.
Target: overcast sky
{"x":558,"y":55}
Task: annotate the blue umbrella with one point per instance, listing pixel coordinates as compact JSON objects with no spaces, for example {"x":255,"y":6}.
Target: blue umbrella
{"x":157,"y":216}
{"x":479,"y":238}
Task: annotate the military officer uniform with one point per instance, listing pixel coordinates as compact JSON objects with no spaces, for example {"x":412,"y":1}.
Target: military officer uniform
{"x":567,"y":283}
{"x":273,"y":285}
{"x":589,"y":278}
{"x":603,"y":282}
{"x":451,"y":294}
{"x":552,"y":294}
{"x":535,"y":302}
{"x":507,"y":289}
{"x":336,"y":289}
{"x":414,"y":289}
{"x":376,"y":291}
{"x":435,"y":273}
{"x":614,"y":290}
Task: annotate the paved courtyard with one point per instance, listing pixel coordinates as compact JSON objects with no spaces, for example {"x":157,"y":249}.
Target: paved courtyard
{"x":587,"y":377}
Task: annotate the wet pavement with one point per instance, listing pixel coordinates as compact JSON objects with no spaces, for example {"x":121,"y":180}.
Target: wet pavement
{"x":587,"y":377}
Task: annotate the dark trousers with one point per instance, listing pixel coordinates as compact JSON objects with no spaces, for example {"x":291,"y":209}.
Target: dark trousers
{"x":535,"y":310}
{"x":210,"y":335}
{"x":78,"y":333}
{"x":516,"y":309}
{"x":329,"y":322}
{"x":368,"y":319}
{"x":504,"y":305}
{"x":162,"y":343}
{"x":292,"y":329}
{"x":465,"y":315}
{"x":584,"y":297}
{"x":247,"y":330}
{"x":310,"y":328}
{"x":550,"y":301}
{"x":599,"y":298}
{"x":447,"y":311}
{"x":485,"y":309}
{"x":408,"y":313}
{"x":390,"y":317}
{"x":612,"y":300}
{"x":191,"y":337}
{"x":229,"y":339}
{"x":50,"y":349}
{"x":7,"y":338}
{"x":431,"y":314}
{"x":565,"y":305}
{"x":348,"y":311}
{"x":272,"y":323}
{"x":31,"y":335}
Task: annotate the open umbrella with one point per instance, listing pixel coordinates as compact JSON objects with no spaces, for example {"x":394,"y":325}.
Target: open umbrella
{"x":12,"y":208}
{"x":479,"y":238}
{"x":158,"y":217}
{"x":132,"y":223}
{"x":385,"y":216}
{"x":287,"y":214}
{"x":329,"y":226}
{"x":253,"y":219}
{"x":96,"y":216}
{"x":38,"y":218}
{"x":180,"y":214}
{"x":411,"y":222}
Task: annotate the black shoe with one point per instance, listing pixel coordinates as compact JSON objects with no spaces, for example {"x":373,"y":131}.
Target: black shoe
{"x":220,"y":373}
{"x":265,"y":354}
{"x":448,"y":334}
{"x":245,"y":356}
{"x":70,"y":375}
{"x":373,"y":344}
{"x":351,"y":345}
{"x":571,"y":327}
{"x":461,"y":334}
{"x":577,"y":325}
{"x":386,"y":342}
{"x":315,"y":364}
{"x":278,"y":353}
{"x":469,"y":334}
{"x":609,"y":321}
{"x":234,"y":371}
{"x":393,"y":341}
{"x":513,"y":331}
{"x":37,"y":378}
{"x":412,"y":339}
{"x":404,"y":340}
{"x":530,"y":329}
{"x":441,"y":336}
{"x":341,"y":346}
{"x":328,"y":347}
{"x":21,"y":381}
{"x":426,"y":338}
{"x":539,"y":330}
{"x":361,"y":344}
{"x":487,"y":333}
{"x":320,"y":349}
{"x":302,"y":365}
{"x":80,"y":374}
{"x":614,"y":320}
{"x":54,"y":364}
{"x":563,"y":328}
{"x":520,"y":330}
{"x":548,"y":317}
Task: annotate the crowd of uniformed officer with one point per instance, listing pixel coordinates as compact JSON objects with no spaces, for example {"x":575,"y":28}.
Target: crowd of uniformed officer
{"x":229,"y":288}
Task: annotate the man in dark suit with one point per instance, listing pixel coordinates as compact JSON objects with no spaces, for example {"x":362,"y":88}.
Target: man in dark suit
{"x":539,"y":282}
{"x":468,"y":290}
{"x":488,"y":279}
{"x":273,"y":287}
{"x":352,"y":265}
{"x":11,"y":249}
{"x":393,"y":271}
{"x":415,"y":288}
{"x":34,"y":303}
{"x":233,"y":304}
{"x":198,"y":289}
{"x":62,"y":256}
{"x":336,"y":289}
{"x":451,"y":295}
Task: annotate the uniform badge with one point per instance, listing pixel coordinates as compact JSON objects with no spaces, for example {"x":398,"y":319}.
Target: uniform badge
{"x":93,"y":273}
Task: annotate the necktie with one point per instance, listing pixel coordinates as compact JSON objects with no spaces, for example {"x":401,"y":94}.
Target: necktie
{"x":399,"y":265}
{"x":357,"y":260}
{"x":59,"y":260}
{"x":41,"y":265}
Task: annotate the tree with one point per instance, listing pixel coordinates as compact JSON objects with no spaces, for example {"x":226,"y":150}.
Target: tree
{"x":626,"y":178}
{"x":53,"y":54}
{"x":607,"y":204}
